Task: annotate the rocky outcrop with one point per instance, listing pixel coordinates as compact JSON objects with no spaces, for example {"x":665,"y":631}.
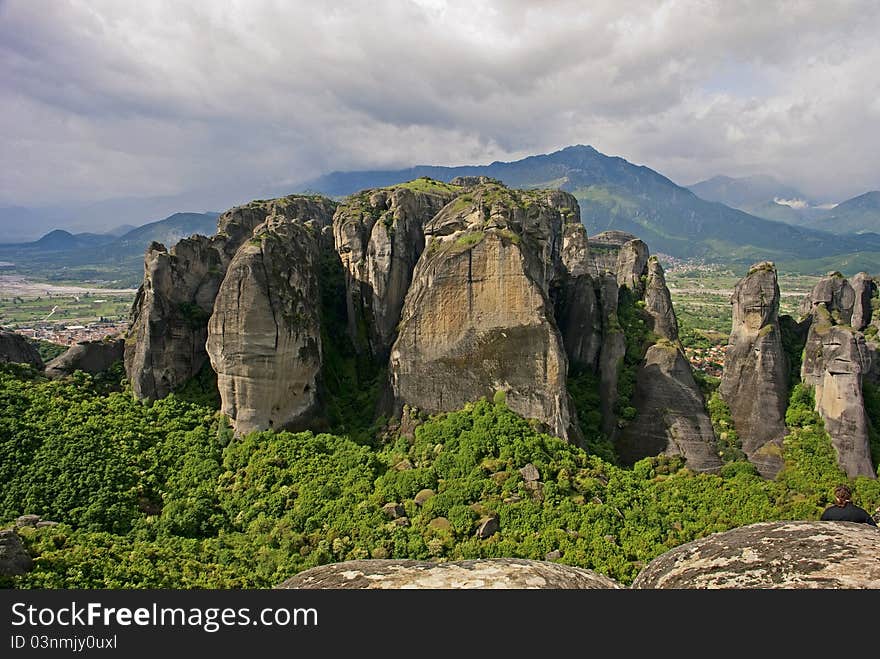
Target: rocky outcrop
{"x":14,"y":558}
{"x":605,"y":248}
{"x":658,"y":302}
{"x":578,"y":314}
{"x":497,"y":573}
{"x":16,"y":349}
{"x":795,"y":554}
{"x":836,"y":358}
{"x":833,"y":293}
{"x":379,"y":235}
{"x":671,"y":418}
{"x":754,"y":383}
{"x":478,"y":317}
{"x":87,"y":356}
{"x":165,"y":345}
{"x":264,"y":336}
{"x":864,"y":289}
{"x":632,"y":261}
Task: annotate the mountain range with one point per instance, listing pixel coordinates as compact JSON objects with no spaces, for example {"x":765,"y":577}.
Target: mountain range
{"x":766,"y":197}
{"x":616,"y":194}
{"x":118,"y":259}
{"x":733,"y":221}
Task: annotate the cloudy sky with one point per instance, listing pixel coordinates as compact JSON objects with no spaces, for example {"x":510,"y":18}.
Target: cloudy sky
{"x":111,"y":98}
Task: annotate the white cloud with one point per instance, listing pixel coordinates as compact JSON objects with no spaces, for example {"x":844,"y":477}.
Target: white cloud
{"x":105,"y":99}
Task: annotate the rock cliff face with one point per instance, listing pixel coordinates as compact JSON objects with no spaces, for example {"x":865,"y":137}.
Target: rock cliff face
{"x":379,"y":235}
{"x":672,"y":418}
{"x":165,"y":346}
{"x":772,"y":555}
{"x":497,"y":573}
{"x":864,"y":289}
{"x":87,"y":356}
{"x":605,"y":248}
{"x":478,"y":317}
{"x":754,"y":383}
{"x":577,"y":311}
{"x":264,"y":336}
{"x":658,"y":302}
{"x":836,"y":357}
{"x":14,"y":348}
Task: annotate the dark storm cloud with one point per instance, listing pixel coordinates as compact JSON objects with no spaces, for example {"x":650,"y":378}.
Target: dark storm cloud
{"x":104,"y":99}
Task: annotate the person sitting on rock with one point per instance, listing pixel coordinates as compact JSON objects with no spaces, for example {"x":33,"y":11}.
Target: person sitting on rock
{"x":844,"y":510}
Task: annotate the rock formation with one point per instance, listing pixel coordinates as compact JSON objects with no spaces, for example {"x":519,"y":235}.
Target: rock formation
{"x":671,"y":418}
{"x":754,"y":383}
{"x":14,"y":558}
{"x":379,"y":235}
{"x":87,"y":356}
{"x":478,"y":317}
{"x":264,"y":336}
{"x":632,"y":259}
{"x":835,"y":359}
{"x":577,"y":310}
{"x":16,"y":349}
{"x":658,"y":302}
{"x":497,"y":573}
{"x":605,"y":249}
{"x":795,"y":554}
{"x":864,"y":289}
{"x":165,"y":346}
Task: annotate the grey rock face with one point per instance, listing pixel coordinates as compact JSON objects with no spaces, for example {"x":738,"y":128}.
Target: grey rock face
{"x":864,"y":288}
{"x":631,"y":267}
{"x":14,"y":558}
{"x":611,"y":352}
{"x":379,"y":235}
{"x":15,"y":349}
{"x":772,"y":555}
{"x":165,"y":346}
{"x":672,"y":418}
{"x":658,"y":302}
{"x":478,"y":316}
{"x":754,"y":383}
{"x":835,"y":294}
{"x":836,"y":358}
{"x":264,"y":336}
{"x":168,"y":328}
{"x":498,"y":573}
{"x":604,"y":250}
{"x":577,"y":310}
{"x":87,"y":356}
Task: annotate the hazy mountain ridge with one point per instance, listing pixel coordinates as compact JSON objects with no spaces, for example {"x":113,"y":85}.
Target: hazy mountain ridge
{"x":60,"y":255}
{"x":616,"y":194}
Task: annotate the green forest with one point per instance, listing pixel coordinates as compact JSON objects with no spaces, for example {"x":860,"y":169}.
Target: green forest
{"x":161,"y":495}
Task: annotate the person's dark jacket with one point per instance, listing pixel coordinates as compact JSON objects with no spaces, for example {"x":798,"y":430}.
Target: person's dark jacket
{"x":848,"y":513}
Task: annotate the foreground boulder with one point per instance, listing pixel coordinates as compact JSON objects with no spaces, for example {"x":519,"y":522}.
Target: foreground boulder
{"x":794,"y":554}
{"x":87,"y":356}
{"x":498,"y":573}
{"x":14,"y":558}
{"x":16,"y":349}
{"x":754,"y":383}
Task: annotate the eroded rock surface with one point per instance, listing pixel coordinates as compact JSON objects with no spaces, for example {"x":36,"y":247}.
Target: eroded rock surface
{"x":14,"y":558}
{"x":264,"y":336}
{"x":672,"y":417}
{"x":87,"y":356}
{"x":498,"y":573}
{"x":836,"y":358}
{"x":379,"y":235}
{"x":797,"y":554}
{"x":754,"y":383}
{"x":16,"y":349}
{"x":478,"y":317}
